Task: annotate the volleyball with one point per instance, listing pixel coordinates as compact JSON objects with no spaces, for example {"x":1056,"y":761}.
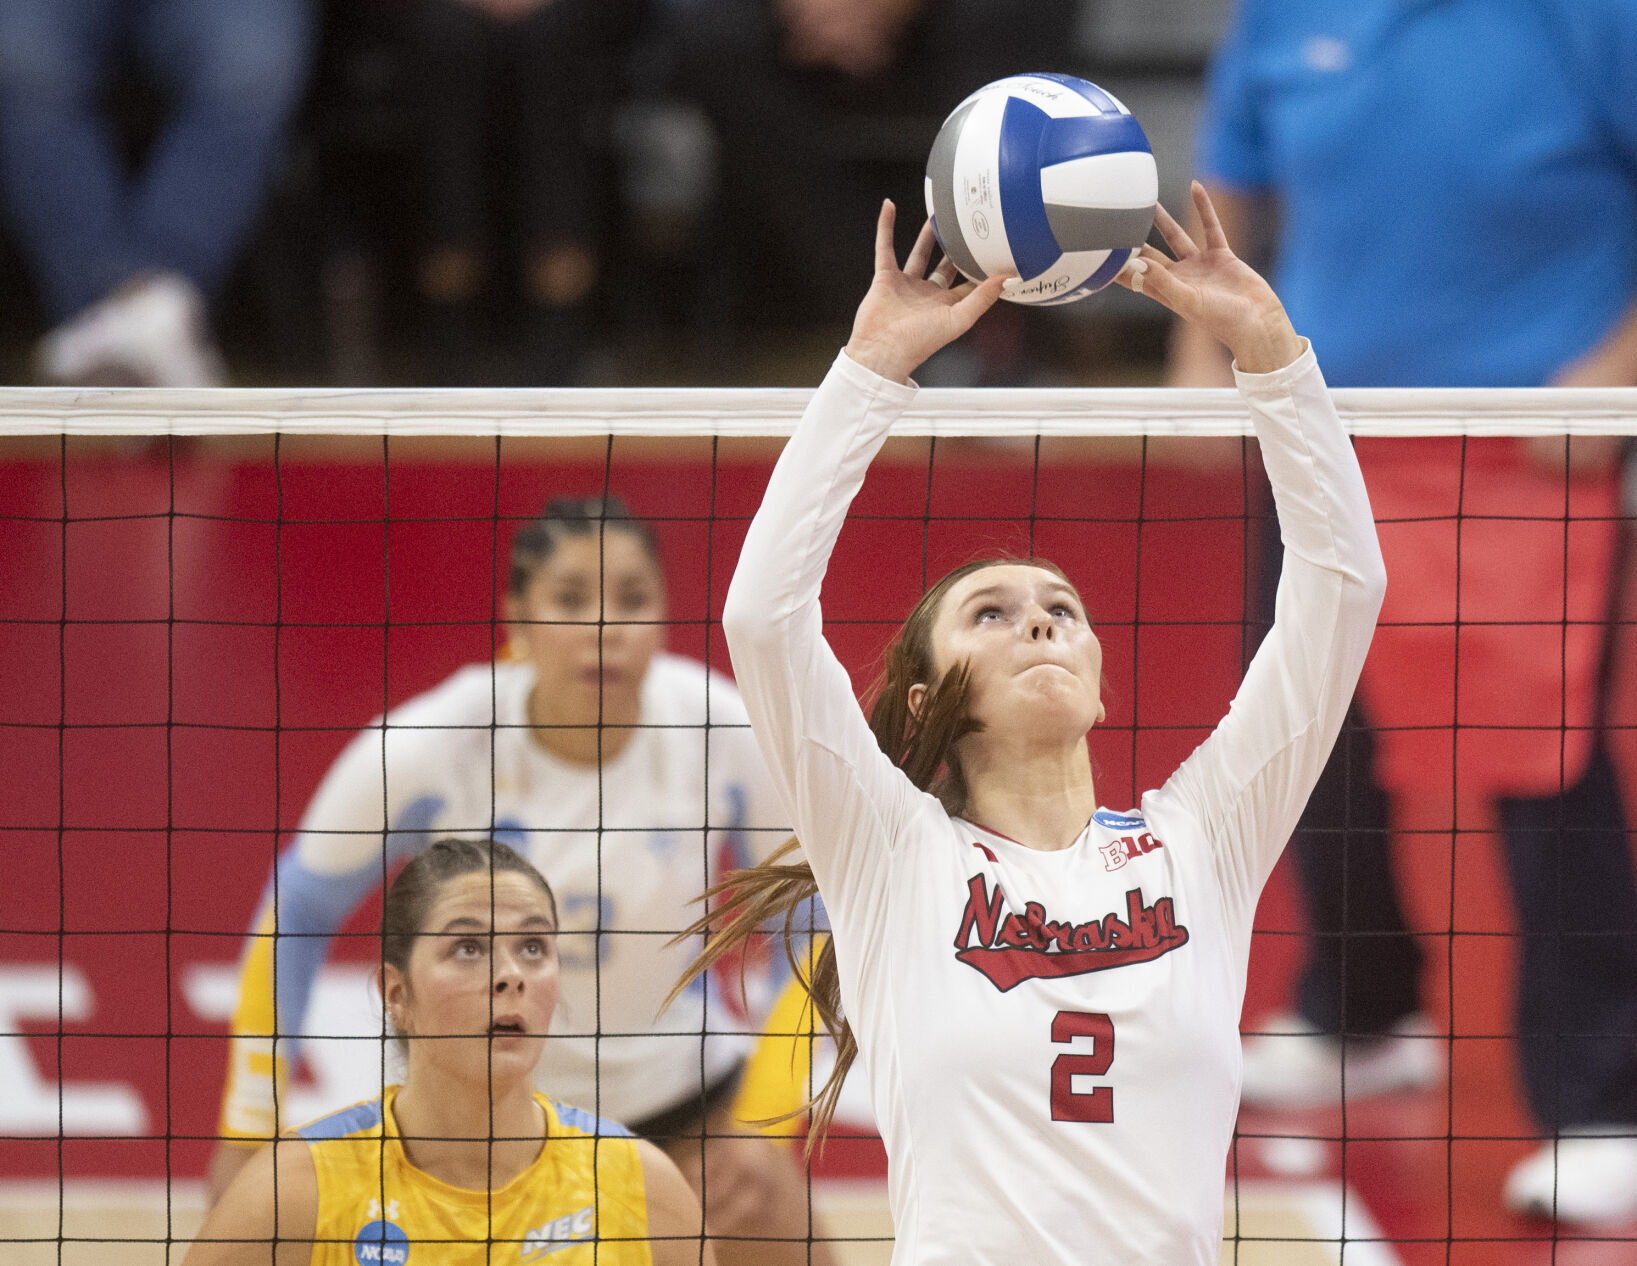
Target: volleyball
{"x":1045,"y":176}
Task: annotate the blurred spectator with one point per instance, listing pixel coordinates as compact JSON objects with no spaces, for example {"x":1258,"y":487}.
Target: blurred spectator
{"x":509,"y":95}
{"x":126,"y":257}
{"x":1476,"y":162}
{"x":824,"y":107}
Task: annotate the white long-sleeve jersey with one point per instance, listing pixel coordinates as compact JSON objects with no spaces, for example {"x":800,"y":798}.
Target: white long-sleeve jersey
{"x":1051,"y":1038}
{"x":625,"y":849}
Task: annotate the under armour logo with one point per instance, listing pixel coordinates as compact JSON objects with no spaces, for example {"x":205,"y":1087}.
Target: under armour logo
{"x":375,"y":1210}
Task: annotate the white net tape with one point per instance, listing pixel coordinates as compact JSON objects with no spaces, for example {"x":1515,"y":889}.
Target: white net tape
{"x":662,"y":411}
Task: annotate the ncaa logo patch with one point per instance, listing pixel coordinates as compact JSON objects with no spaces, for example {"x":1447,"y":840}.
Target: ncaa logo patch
{"x":1119,"y":821}
{"x":381,"y":1243}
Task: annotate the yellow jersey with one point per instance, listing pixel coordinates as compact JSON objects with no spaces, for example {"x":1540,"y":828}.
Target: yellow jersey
{"x":581,"y":1203}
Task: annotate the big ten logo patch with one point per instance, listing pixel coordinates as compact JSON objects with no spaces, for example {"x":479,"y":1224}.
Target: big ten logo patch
{"x":1117,"y":852}
{"x":381,"y":1243}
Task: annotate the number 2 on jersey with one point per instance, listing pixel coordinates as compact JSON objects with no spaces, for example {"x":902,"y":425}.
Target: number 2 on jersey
{"x":1068,"y":1104}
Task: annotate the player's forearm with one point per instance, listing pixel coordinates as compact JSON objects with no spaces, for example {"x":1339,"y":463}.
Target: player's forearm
{"x":281,"y":963}
{"x":817,"y":745}
{"x":1265,"y":757}
{"x":311,"y":906}
{"x":775,"y":588}
{"x":1324,"y":510}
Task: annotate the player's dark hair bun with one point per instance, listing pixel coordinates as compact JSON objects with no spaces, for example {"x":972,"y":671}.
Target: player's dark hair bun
{"x":565,"y":517}
{"x":586,"y":509}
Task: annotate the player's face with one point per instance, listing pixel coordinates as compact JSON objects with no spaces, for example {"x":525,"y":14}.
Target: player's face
{"x":591,"y":618}
{"x":484,"y":967}
{"x":1036,"y":666}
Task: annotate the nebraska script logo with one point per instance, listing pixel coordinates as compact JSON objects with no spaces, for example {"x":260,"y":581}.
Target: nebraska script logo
{"x":1012,"y":948}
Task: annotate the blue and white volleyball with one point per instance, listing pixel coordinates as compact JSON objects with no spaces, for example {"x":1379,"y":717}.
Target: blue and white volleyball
{"x":1044,"y":176}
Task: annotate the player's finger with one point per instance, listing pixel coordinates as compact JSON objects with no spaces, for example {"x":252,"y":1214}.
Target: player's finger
{"x":885,"y":258}
{"x":920,"y":254}
{"x":976,"y":298}
{"x":1150,"y":278}
{"x":944,"y":274}
{"x":1132,"y":274}
{"x":1215,"y":238}
{"x":1176,"y":237}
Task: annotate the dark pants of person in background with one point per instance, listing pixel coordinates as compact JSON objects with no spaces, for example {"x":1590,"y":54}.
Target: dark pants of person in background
{"x":233,"y":72}
{"x":1570,"y":866}
{"x":507,"y":111}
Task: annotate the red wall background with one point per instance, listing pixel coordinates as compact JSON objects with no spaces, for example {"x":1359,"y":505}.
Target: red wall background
{"x":187,"y":640}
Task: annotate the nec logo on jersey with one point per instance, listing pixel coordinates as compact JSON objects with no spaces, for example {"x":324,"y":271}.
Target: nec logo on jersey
{"x":1012,"y":948}
{"x":561,"y":1233}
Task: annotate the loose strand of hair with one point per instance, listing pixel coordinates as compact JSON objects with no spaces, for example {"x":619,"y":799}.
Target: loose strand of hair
{"x":745,"y":900}
{"x":748,"y":898}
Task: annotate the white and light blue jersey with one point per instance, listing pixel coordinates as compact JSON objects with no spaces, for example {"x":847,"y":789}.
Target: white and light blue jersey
{"x":625,"y":848}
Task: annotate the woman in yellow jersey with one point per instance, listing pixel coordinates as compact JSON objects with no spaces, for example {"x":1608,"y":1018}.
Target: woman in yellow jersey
{"x":464,"y":1161}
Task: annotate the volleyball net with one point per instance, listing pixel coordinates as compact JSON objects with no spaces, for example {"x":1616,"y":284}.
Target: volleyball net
{"x":204,"y":595}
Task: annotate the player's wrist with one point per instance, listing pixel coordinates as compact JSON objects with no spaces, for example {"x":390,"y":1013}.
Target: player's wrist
{"x":1266,"y":344}
{"x":887,"y":361}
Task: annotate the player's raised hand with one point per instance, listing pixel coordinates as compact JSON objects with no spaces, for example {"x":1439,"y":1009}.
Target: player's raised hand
{"x":908,"y":313}
{"x":1214,"y":289}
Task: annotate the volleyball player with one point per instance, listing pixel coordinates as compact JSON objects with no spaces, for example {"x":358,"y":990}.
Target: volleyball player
{"x":590,"y":751}
{"x":465,"y":1156}
{"x":1046,"y":993}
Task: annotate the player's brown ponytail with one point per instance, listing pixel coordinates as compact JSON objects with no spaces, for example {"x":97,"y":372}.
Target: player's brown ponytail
{"x":750,"y":898}
{"x":923,"y":746}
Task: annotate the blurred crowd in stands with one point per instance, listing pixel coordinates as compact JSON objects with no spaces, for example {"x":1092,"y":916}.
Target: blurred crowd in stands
{"x":496,"y":192}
